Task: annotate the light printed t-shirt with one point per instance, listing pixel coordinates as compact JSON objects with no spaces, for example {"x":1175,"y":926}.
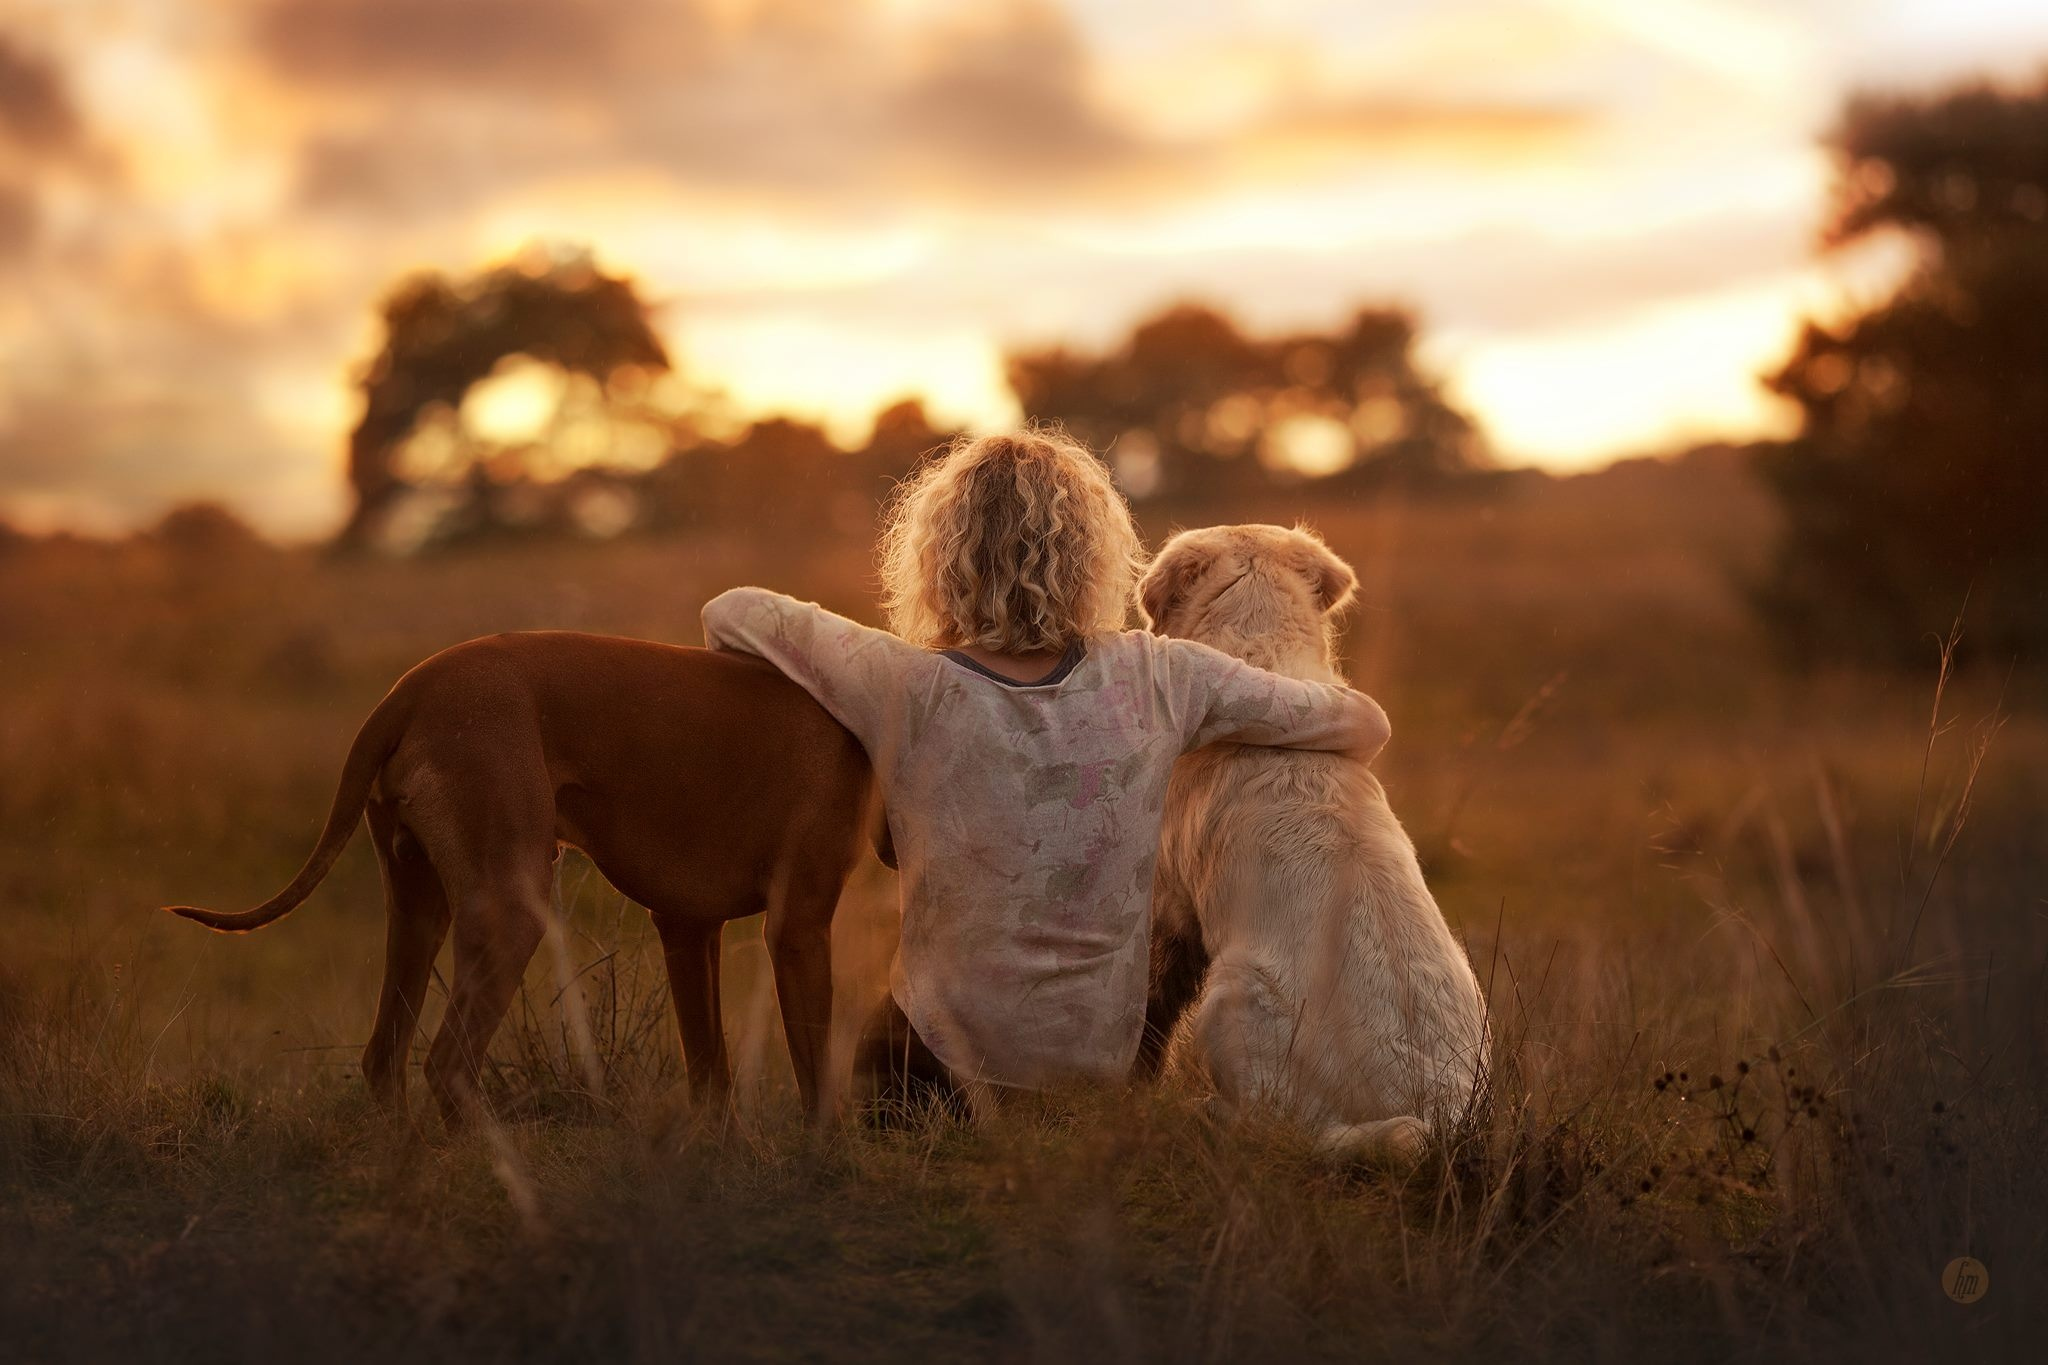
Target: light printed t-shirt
{"x":1026,"y":817}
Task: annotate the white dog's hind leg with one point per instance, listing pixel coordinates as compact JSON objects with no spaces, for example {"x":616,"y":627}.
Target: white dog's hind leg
{"x":1239,"y":1034}
{"x":1397,"y":1143}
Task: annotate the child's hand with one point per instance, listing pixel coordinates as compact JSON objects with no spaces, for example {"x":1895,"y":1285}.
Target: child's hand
{"x":1370,"y":729}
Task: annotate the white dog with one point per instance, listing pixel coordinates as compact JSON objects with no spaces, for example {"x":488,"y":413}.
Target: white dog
{"x":1336,"y":995}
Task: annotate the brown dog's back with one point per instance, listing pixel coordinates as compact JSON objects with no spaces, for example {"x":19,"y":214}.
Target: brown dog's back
{"x":687,"y":775}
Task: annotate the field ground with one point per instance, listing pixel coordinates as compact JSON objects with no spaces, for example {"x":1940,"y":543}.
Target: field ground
{"x":1766,"y":956}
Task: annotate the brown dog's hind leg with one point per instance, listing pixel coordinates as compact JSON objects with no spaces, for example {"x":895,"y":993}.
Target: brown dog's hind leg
{"x":691,"y":947}
{"x":498,"y":925}
{"x":416,"y":914}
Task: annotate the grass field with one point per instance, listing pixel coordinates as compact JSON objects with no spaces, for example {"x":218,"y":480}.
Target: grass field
{"x":1766,"y":957}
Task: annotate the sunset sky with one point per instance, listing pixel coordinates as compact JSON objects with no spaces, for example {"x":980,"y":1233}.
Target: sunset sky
{"x":1603,"y":211}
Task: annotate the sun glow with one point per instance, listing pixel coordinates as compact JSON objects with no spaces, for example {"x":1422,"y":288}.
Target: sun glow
{"x":1309,"y":443}
{"x":839,"y":374}
{"x":1662,"y":375}
{"x":515,"y":404}
{"x":1670,"y":374}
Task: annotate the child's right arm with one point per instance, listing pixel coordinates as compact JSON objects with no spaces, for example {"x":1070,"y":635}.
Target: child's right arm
{"x":1228,"y":700}
{"x":854,"y":671}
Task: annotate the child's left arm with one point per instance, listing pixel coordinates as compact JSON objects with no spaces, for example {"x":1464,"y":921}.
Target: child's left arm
{"x":1229,"y":700}
{"x":854,"y":671}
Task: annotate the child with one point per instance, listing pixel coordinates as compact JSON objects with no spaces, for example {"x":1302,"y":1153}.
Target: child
{"x":1023,"y":740}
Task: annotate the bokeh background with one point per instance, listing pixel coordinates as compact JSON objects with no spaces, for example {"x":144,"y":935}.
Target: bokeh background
{"x":1674,"y":372}
{"x":1600,"y":216}
{"x":410,"y":272}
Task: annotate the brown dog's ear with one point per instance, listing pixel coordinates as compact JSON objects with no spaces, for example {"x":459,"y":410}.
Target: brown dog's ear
{"x":1330,"y":577}
{"x":1173,"y":572}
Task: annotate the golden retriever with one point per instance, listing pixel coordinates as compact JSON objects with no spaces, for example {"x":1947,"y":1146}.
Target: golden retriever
{"x":1335,"y":994}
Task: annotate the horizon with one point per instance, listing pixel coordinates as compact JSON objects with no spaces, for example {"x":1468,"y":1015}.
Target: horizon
{"x":1605,"y":219}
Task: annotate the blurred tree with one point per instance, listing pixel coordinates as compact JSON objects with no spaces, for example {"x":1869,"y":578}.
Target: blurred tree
{"x":1920,"y":475}
{"x":442,"y":338}
{"x":903,"y":434}
{"x":203,"y":530}
{"x":1182,"y":403}
{"x":780,"y":474}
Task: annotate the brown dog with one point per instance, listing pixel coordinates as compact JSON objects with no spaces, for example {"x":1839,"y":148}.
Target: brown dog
{"x":705,"y":786}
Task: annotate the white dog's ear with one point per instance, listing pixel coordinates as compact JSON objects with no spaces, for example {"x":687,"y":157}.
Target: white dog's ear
{"x":1174,"y":571}
{"x":1330,"y":577}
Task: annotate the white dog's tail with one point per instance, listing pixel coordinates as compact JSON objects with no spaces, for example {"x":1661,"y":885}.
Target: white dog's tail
{"x":1397,"y":1143}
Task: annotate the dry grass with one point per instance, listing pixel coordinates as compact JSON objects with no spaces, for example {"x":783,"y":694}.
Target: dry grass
{"x":1766,"y":957}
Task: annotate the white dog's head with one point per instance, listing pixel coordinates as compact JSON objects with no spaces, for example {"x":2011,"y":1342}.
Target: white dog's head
{"x":1267,"y":594}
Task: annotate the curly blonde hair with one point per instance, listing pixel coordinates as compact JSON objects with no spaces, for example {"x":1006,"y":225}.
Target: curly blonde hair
{"x":1017,"y":543}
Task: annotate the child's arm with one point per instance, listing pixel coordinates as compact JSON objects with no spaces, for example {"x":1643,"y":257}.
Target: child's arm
{"x":854,"y":671}
{"x":1229,"y":700}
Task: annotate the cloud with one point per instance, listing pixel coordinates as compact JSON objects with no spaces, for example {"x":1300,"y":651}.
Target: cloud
{"x":18,"y":219}
{"x":36,"y":113}
{"x":805,"y":102}
{"x":431,"y":163}
{"x":1500,"y":281}
{"x":447,"y":103}
{"x":1011,"y":93}
{"x":1491,"y":281}
{"x":128,"y":382}
{"x":1367,"y":124}
{"x":39,"y":129}
{"x":523,"y":47}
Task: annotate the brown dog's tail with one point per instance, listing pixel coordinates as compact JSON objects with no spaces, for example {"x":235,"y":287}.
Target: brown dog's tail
{"x":373,"y":744}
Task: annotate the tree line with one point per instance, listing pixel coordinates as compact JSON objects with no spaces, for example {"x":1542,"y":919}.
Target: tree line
{"x":1188,"y":407}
